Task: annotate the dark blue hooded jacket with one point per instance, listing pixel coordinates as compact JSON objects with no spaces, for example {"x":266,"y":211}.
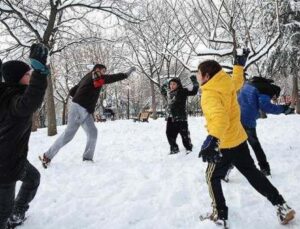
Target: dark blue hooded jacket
{"x":253,"y":98}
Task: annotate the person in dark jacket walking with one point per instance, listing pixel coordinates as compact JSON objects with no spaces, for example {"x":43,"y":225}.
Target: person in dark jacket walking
{"x":176,"y":96}
{"x":20,"y":96}
{"x":85,"y":95}
{"x":257,"y":95}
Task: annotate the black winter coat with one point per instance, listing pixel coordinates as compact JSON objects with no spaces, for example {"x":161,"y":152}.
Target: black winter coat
{"x":86,"y":94}
{"x":17,"y":104}
{"x":176,"y":100}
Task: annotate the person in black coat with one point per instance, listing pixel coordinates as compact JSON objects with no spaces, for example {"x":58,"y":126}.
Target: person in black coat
{"x":85,"y":95}
{"x":20,"y":96}
{"x":176,"y":96}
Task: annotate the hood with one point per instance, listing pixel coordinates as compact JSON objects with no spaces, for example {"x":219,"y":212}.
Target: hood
{"x":220,"y":82}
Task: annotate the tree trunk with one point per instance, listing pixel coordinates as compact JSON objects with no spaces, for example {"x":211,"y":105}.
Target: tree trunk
{"x":64,"y":113}
{"x":295,"y":95}
{"x":51,"y":109}
{"x":128,"y":103}
{"x":154,"y":114}
{"x":35,"y":121}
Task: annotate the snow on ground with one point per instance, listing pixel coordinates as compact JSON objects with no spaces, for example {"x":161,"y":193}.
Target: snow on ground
{"x":135,"y":184}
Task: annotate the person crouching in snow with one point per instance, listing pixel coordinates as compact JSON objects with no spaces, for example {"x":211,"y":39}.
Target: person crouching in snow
{"x":20,"y":96}
{"x":176,"y":97}
{"x":85,"y":95}
{"x":226,"y":141}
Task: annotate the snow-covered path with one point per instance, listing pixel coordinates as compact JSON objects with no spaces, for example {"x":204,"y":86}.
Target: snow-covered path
{"x":135,"y":184}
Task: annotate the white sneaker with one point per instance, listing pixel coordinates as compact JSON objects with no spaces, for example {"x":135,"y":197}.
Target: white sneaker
{"x":285,"y":214}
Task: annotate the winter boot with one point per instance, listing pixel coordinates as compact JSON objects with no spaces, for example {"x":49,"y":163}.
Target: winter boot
{"x":45,"y":161}
{"x":284,"y":213}
{"x":16,"y":219}
{"x":86,"y":159}
{"x":174,"y":150}
{"x":189,"y":149}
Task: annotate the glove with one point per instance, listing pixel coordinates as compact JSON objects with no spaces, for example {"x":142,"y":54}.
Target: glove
{"x":288,"y":110}
{"x":38,"y":58}
{"x":193,"y":78}
{"x":131,"y":70}
{"x":210,"y":151}
{"x":241,"y":59}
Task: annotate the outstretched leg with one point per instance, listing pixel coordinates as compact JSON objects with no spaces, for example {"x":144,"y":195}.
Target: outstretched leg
{"x":91,"y":132}
{"x":76,"y":116}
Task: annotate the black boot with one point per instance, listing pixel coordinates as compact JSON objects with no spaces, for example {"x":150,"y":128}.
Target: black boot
{"x":174,"y":150}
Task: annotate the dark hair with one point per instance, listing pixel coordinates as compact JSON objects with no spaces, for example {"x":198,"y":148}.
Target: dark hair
{"x":100,"y":66}
{"x":211,"y":67}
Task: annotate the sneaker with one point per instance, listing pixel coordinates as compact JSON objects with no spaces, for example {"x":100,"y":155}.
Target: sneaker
{"x":222,"y":222}
{"x":188,"y":151}
{"x":45,"y":161}
{"x":284,"y":213}
{"x":16,"y":219}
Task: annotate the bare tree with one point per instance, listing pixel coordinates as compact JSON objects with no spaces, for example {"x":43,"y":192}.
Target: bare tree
{"x":57,"y":24}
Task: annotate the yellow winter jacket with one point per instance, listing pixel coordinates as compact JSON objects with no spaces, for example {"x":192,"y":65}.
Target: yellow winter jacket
{"x":221,"y":109}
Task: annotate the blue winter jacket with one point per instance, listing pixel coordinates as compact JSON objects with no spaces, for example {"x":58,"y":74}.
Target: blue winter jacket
{"x":251,"y":101}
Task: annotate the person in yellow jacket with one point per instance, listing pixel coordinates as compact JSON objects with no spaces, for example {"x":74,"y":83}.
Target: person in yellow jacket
{"x":226,"y":141}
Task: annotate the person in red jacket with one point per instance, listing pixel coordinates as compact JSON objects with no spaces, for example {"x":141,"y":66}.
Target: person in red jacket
{"x":85,"y":95}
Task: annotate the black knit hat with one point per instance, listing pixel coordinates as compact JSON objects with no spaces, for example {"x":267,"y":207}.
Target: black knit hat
{"x":13,"y":71}
{"x":100,"y":66}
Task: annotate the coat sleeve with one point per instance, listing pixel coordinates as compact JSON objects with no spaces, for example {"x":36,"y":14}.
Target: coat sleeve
{"x":193,"y":91}
{"x":238,"y":76}
{"x":114,"y":78}
{"x":216,"y":117}
{"x":73,"y":90}
{"x":32,"y":98}
{"x":266,"y":106}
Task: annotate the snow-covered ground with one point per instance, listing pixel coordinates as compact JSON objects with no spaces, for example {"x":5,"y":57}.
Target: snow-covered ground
{"x":135,"y":184}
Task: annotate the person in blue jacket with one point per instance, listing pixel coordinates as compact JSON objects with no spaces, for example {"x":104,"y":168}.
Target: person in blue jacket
{"x":257,"y":95}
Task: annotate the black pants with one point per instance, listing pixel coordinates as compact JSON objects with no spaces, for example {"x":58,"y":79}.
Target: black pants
{"x":255,"y":144}
{"x":9,"y":204}
{"x":175,"y":128}
{"x":241,"y":159}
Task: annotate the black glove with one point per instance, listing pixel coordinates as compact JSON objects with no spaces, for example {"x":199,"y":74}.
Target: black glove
{"x":241,"y":59}
{"x":288,"y":110}
{"x":38,"y":58}
{"x":131,"y":70}
{"x":193,"y":78}
{"x":210,"y":151}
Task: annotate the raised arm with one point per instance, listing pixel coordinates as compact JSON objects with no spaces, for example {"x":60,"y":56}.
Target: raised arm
{"x":195,"y":89}
{"x":28,"y":102}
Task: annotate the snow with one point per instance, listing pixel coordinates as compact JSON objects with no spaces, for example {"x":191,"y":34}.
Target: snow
{"x":135,"y":184}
